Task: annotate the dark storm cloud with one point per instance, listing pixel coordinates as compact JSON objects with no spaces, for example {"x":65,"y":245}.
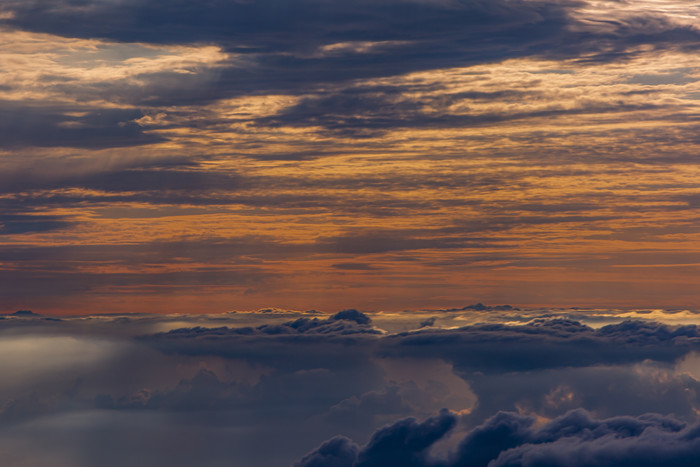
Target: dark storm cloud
{"x":44,"y":126}
{"x":508,"y":439}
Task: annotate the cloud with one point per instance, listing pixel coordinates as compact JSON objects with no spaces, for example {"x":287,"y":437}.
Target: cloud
{"x":555,"y":364}
{"x":337,"y":342}
{"x":346,"y":322}
{"x":404,"y":443}
{"x":509,"y":439}
{"x":43,"y":126}
{"x":354,"y":266}
{"x":336,"y":452}
{"x":289,"y":47}
{"x":12,"y":224}
{"x":364,"y":409}
{"x":209,"y":155}
{"x":544,"y":344}
{"x":604,"y":390}
{"x":371,"y":112}
{"x":240,"y":378}
{"x":576,"y":439}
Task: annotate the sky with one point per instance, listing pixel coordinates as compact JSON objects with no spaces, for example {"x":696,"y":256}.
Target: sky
{"x":474,"y":387}
{"x":323,"y":233}
{"x":208,"y":156}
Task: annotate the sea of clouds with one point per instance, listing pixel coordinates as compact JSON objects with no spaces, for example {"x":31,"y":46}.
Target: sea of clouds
{"x":279,"y":387}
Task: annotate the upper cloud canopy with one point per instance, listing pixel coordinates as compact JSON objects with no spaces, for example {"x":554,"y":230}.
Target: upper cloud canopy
{"x":291,"y":45}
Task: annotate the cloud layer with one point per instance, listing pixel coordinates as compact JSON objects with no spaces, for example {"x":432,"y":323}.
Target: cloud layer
{"x":223,"y":385}
{"x":509,"y":439}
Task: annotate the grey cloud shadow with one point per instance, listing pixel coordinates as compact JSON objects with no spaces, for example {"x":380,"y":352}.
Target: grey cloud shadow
{"x":44,"y":125}
{"x":13,"y":224}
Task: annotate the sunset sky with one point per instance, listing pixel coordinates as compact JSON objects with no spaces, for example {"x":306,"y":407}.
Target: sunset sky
{"x":206,"y":156}
{"x":349,"y":233}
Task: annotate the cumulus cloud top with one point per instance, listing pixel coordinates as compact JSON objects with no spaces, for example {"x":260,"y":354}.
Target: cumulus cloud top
{"x":342,"y":323}
{"x":509,"y":439}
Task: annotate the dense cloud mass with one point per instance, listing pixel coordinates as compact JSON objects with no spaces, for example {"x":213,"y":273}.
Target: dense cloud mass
{"x":329,"y":389}
{"x":547,"y":344}
{"x":508,"y":439}
{"x":540,"y":344}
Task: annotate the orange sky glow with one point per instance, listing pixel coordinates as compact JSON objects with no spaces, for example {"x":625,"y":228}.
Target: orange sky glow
{"x":169,"y":176}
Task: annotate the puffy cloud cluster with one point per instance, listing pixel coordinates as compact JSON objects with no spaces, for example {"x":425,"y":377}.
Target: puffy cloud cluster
{"x":509,"y":439}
